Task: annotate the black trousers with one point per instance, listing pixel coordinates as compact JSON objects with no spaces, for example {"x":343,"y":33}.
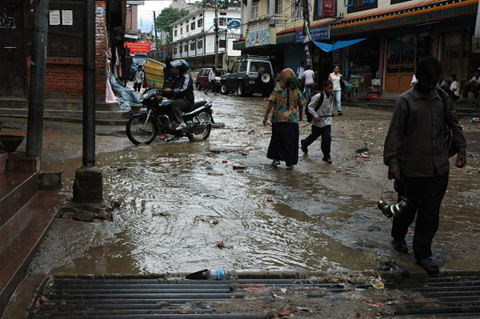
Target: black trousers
{"x":425,"y":196}
{"x":326,"y":134}
{"x":137,"y":86}
{"x":473,"y":87}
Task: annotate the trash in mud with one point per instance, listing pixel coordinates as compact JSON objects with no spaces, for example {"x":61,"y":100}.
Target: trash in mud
{"x":224,"y":161}
{"x":245,"y":152}
{"x":393,"y":266}
{"x":238,"y":166}
{"x":285,"y":313}
{"x":118,"y":169}
{"x":213,"y":222}
{"x":221,"y":245}
{"x":377,"y":283}
{"x":269,"y":199}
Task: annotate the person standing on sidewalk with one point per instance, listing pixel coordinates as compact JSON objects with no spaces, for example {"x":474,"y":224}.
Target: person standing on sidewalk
{"x":211,"y":81}
{"x":308,"y":80}
{"x":336,"y":78}
{"x":417,"y":158}
{"x":138,"y":79}
{"x":285,"y":100}
{"x":322,"y":121}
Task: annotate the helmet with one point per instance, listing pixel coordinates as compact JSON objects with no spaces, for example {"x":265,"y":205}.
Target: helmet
{"x":182,"y":65}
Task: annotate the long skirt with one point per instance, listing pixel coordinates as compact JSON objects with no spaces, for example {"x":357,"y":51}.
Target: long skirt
{"x":284,"y":143}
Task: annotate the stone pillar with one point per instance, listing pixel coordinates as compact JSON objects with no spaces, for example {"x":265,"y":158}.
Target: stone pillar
{"x":88,"y":186}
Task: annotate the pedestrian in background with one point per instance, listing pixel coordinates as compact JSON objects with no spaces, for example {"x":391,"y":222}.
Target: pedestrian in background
{"x":336,"y":77}
{"x":300,"y":71}
{"x":417,"y":158}
{"x":138,"y":79}
{"x":308,"y":80}
{"x":211,"y":81}
{"x":322,"y":121}
{"x":285,"y":101}
{"x":471,"y":86}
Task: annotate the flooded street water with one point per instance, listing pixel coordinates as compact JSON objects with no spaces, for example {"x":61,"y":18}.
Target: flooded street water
{"x":180,"y":199}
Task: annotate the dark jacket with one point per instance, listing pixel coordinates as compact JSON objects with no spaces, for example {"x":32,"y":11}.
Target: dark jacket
{"x":168,"y":77}
{"x":183,"y":87}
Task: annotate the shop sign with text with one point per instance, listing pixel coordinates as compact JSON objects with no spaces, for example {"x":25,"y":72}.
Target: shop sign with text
{"x":316,"y":33}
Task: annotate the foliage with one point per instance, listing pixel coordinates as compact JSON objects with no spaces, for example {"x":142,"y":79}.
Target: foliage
{"x":167,"y":17}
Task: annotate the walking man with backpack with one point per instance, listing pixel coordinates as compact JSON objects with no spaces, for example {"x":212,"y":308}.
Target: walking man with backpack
{"x":319,"y":113}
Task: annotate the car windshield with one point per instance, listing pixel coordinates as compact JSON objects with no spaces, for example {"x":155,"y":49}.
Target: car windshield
{"x":139,"y":59}
{"x":219,"y":72}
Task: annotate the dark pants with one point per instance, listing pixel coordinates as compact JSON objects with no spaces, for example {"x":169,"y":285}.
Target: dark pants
{"x":211,"y":87}
{"x":425,"y":196}
{"x":137,"y":86}
{"x":326,"y":133}
{"x":473,"y":87}
{"x":178,"y":107}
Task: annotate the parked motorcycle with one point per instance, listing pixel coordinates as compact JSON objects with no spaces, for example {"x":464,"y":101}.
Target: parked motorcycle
{"x":156,"y":117}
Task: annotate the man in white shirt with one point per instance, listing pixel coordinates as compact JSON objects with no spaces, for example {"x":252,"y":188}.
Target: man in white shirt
{"x":472,"y":86}
{"x":308,"y":81}
{"x":300,"y":71}
{"x":211,"y":80}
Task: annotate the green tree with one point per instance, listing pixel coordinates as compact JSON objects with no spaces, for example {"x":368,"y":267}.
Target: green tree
{"x":167,"y":17}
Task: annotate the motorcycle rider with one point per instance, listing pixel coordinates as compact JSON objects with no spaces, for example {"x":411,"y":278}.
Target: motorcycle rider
{"x":183,"y":97}
{"x":168,"y":74}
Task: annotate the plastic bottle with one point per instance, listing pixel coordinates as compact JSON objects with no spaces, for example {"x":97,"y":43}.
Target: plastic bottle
{"x":218,"y":274}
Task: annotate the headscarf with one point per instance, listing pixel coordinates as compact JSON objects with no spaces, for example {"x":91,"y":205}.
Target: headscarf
{"x":287,"y":80}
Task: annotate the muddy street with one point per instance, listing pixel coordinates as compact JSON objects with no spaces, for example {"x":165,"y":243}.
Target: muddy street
{"x":180,"y":199}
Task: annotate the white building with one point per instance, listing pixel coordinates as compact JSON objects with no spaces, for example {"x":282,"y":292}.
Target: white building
{"x":194,"y":36}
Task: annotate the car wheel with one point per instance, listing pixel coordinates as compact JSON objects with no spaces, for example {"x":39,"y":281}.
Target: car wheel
{"x":223,"y":89}
{"x":240,"y":89}
{"x":197,"y":86}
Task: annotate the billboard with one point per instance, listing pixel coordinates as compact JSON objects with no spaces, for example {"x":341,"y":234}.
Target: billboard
{"x":138,"y":47}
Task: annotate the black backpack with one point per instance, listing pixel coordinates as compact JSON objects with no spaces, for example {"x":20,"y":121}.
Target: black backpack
{"x":320,"y":102}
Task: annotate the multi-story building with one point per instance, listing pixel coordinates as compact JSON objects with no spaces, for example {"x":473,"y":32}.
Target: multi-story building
{"x":194,"y":36}
{"x":392,"y":35}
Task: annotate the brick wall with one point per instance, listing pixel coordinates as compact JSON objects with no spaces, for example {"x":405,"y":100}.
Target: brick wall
{"x":64,"y":76}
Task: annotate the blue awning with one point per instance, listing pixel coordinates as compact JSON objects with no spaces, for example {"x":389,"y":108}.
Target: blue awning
{"x":336,"y":45}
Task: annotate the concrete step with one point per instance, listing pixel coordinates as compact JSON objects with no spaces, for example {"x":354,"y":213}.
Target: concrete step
{"x":66,"y":111}
{"x":74,"y":116}
{"x":16,"y":258}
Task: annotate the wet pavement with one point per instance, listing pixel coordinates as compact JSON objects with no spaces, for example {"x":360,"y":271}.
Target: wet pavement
{"x":180,"y":199}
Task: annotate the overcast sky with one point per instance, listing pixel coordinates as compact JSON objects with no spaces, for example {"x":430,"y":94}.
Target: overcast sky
{"x":145,"y":13}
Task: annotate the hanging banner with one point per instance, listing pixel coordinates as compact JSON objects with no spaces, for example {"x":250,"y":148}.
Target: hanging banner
{"x":328,"y":8}
{"x":138,"y":47}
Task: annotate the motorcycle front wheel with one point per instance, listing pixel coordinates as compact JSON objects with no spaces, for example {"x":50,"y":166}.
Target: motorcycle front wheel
{"x":141,"y":131}
{"x":205,"y":119}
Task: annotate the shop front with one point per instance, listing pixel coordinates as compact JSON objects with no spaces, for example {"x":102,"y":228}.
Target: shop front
{"x":402,"y":53}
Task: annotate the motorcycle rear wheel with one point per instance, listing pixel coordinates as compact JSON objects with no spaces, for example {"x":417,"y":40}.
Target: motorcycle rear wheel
{"x":141,"y":131}
{"x":205,"y":119}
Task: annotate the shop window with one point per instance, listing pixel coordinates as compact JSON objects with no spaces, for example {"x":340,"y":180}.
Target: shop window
{"x":401,"y":54}
{"x":192,"y":26}
{"x":185,"y":48}
{"x":200,"y":23}
{"x":297,"y":11}
{"x":278,"y":6}
{"x":187,"y":28}
{"x":222,"y":44}
{"x":222,"y":22}
{"x":200,"y":44}
{"x":360,"y":5}
{"x":175,"y":33}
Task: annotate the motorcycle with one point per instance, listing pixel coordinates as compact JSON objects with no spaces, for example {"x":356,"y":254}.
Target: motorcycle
{"x":156,"y":117}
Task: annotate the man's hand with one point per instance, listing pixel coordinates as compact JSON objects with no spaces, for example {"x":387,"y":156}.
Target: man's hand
{"x":461,"y":160}
{"x":393,"y":172}
{"x":168,"y":90}
{"x":318,"y":119}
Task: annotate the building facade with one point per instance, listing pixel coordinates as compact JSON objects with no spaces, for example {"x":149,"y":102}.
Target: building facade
{"x":194,"y":36}
{"x":393,"y":35}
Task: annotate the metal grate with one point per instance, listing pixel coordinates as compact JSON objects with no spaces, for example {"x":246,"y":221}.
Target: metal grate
{"x":146,"y":298}
{"x":444,"y":296}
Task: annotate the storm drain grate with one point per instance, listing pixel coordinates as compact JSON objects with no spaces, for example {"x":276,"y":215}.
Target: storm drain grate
{"x":146,"y":298}
{"x":442,"y":296}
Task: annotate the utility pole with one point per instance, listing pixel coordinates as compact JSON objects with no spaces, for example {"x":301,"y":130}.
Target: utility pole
{"x":156,"y":39}
{"x":216,"y":33}
{"x":306,"y":31}
{"x":37,"y":81}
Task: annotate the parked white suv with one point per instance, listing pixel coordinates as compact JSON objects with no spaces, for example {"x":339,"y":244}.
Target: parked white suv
{"x":249,"y":74}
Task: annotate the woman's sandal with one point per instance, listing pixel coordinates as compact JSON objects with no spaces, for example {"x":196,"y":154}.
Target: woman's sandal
{"x":329,"y":161}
